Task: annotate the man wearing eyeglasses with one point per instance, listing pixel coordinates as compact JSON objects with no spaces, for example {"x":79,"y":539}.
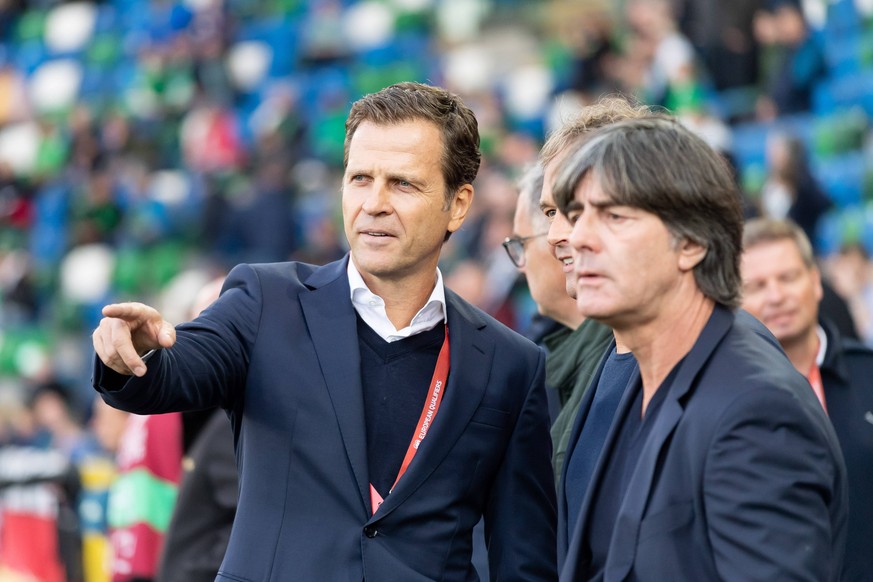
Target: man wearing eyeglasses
{"x":575,"y":357}
{"x":539,"y":248}
{"x":572,"y":352}
{"x":529,"y":250}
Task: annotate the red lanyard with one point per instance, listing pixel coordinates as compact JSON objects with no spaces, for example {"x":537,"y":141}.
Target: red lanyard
{"x":428,"y":414}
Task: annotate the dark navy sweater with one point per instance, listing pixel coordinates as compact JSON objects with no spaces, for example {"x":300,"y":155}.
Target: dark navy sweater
{"x":396,"y":378}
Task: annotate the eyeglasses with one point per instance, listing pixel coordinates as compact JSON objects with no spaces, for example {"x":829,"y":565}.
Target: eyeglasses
{"x":514,"y":246}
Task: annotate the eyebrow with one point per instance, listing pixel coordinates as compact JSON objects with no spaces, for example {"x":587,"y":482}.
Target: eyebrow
{"x":604,"y":203}
{"x":403,"y":178}
{"x":574,"y":205}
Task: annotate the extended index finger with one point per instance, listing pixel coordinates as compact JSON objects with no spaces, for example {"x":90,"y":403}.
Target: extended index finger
{"x":128,"y":311}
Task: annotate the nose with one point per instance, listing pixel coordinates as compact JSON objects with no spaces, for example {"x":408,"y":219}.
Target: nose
{"x":774,"y":293}
{"x":377,"y":199}
{"x":559,"y":231}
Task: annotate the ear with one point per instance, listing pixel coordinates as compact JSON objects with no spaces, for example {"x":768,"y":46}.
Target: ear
{"x":816,"y":282}
{"x":460,"y":206}
{"x":690,"y":254}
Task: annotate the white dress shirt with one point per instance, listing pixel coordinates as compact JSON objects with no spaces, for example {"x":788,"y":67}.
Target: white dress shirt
{"x":371,"y":308}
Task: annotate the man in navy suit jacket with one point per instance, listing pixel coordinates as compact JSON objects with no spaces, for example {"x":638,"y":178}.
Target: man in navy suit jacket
{"x":719,"y":463}
{"x":783,"y":288}
{"x":323,"y":422}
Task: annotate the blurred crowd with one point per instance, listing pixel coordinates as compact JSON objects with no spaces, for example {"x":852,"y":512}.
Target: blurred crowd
{"x":147,"y":147}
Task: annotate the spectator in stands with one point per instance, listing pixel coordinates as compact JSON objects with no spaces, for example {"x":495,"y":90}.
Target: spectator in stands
{"x":261,"y":225}
{"x":669,"y":71}
{"x":209,"y":138}
{"x":798,"y":61}
{"x":40,"y":489}
{"x":588,"y":30}
{"x":18,"y":289}
{"x":141,"y":499}
{"x":782,"y":287}
{"x":850,"y":272}
{"x":98,"y":215}
{"x":791,"y":190}
{"x":722,"y":33}
{"x":39,"y":539}
{"x":54,"y":412}
{"x":98,"y":473}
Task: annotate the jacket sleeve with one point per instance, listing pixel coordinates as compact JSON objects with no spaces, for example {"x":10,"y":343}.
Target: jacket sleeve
{"x":207,"y":365}
{"x":520,"y":517}
{"x":772,"y":486}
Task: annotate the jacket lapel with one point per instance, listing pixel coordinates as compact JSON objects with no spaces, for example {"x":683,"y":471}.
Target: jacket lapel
{"x":584,"y":408}
{"x":578,"y":423}
{"x":574,"y":551}
{"x":624,"y":537}
{"x":470,"y":364}
{"x":332,"y":326}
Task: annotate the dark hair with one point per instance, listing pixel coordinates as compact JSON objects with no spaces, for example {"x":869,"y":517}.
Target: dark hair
{"x":412,"y":101}
{"x":54,"y":388}
{"x":659,"y":166}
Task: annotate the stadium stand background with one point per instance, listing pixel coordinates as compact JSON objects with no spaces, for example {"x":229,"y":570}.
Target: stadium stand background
{"x":147,"y":146}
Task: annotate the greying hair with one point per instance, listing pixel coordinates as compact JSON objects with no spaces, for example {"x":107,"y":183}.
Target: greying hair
{"x":415,"y":101}
{"x":657,"y":165}
{"x":530,"y":185}
{"x":604,"y":111}
{"x":767,"y":230}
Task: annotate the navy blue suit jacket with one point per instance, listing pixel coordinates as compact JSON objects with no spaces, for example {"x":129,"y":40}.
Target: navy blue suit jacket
{"x":741,"y":477}
{"x":279,"y":351}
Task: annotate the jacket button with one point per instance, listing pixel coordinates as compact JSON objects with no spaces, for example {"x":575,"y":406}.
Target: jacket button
{"x":370,"y":531}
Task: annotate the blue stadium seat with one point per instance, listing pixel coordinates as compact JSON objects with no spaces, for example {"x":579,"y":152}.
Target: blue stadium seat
{"x":844,"y":91}
{"x":842,"y":17}
{"x":749,"y":144}
{"x":800,"y":125}
{"x":282,"y":35}
{"x":830,"y":233}
{"x":842,"y":177}
{"x":28,"y":56}
{"x":843,"y":54}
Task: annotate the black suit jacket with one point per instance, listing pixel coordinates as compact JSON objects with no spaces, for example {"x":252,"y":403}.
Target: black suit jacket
{"x":279,"y":350}
{"x":847,"y":377}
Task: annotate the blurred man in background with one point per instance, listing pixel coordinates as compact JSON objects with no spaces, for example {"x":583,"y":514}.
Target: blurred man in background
{"x":782,"y":287}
